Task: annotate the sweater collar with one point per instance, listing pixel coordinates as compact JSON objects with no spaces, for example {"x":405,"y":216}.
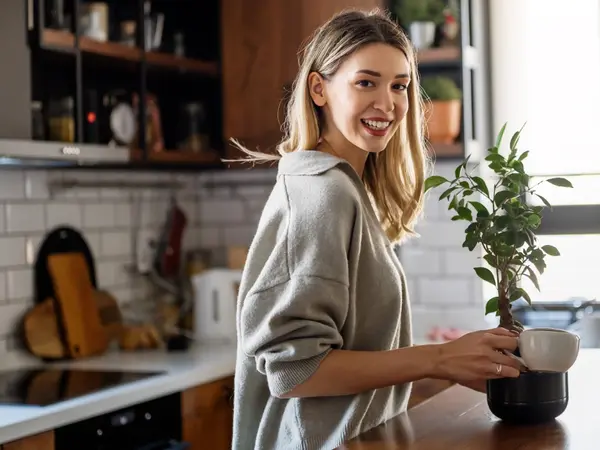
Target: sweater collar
{"x":311,"y":162}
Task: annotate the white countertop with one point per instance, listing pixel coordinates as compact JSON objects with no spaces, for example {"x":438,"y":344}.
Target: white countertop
{"x":198,"y":365}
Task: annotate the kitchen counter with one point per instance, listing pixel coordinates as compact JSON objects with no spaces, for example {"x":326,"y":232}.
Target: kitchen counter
{"x":459,"y":418}
{"x":200,"y":364}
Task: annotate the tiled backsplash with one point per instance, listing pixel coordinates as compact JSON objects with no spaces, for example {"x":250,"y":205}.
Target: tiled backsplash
{"x":442,"y":282}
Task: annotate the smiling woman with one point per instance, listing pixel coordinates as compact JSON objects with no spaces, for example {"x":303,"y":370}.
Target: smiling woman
{"x":323,"y":315}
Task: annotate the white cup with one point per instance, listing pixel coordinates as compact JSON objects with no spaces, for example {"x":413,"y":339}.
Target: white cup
{"x":548,"y":349}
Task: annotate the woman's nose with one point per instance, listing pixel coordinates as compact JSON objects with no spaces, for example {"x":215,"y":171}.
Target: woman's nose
{"x":384,"y":102}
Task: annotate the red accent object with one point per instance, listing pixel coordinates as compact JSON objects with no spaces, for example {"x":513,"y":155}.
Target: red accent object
{"x":91,"y":117}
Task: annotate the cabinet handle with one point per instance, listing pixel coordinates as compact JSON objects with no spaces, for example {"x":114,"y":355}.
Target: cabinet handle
{"x":30,"y":15}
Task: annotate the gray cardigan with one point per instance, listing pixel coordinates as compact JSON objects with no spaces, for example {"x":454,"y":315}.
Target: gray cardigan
{"x":320,"y":275}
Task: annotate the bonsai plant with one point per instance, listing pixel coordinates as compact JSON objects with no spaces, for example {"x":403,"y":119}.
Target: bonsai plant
{"x":420,"y":18}
{"x":505,"y":228}
{"x":442,"y":108}
{"x":504,"y":225}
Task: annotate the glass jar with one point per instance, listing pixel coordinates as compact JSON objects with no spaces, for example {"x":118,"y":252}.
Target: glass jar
{"x":62,"y":120}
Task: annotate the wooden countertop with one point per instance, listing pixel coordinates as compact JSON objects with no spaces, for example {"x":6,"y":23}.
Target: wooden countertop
{"x":459,"y":418}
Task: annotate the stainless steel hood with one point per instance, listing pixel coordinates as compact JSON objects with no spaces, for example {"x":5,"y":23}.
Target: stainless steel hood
{"x":21,"y":152}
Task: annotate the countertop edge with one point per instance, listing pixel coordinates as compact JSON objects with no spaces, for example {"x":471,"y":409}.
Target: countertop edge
{"x":28,"y":421}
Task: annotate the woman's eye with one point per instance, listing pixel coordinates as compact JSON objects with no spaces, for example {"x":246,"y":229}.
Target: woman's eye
{"x":365,"y":83}
{"x":400,"y":87}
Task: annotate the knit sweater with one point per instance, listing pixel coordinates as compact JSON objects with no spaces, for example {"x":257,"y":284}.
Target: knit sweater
{"x":320,"y":275}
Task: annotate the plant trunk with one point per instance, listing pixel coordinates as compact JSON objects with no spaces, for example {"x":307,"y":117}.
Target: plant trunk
{"x":506,"y":318}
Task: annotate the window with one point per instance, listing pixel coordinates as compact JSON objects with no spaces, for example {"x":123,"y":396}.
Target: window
{"x":545,"y":71}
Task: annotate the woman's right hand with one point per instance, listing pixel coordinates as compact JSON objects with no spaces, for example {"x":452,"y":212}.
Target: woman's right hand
{"x":477,"y":356}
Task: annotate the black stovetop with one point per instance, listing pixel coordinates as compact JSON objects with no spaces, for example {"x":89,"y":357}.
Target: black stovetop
{"x":45,"y":386}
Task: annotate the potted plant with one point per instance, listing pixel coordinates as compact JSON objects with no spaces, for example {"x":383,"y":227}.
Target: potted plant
{"x":503,"y":226}
{"x":442,"y":108}
{"x":420,"y":18}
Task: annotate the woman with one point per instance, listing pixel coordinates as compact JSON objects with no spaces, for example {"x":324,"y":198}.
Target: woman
{"x":324,"y":325}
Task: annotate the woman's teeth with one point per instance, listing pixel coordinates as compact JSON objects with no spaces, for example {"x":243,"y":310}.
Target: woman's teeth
{"x":375,"y":124}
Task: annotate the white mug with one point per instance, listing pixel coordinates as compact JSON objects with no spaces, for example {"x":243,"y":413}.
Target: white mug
{"x":548,"y":349}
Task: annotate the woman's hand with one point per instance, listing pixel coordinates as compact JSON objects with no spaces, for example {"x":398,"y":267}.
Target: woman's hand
{"x":477,"y":356}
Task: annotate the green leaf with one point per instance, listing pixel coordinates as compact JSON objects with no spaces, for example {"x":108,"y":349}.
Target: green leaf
{"x":500,"y":134}
{"x":485,"y":275}
{"x":502,"y":196}
{"x":558,"y":181}
{"x":481,"y":210}
{"x":491,"y":305}
{"x":534,"y":220}
{"x":495,"y":157}
{"x":525,"y":295}
{"x":465,"y":213}
{"x":490,"y":259}
{"x":533,"y":277}
{"x":434,"y":181}
{"x":447,"y":192}
{"x":515,"y":140}
{"x":546,"y":202}
{"x":524,"y":155}
{"x":481,"y":185}
{"x":550,"y":250}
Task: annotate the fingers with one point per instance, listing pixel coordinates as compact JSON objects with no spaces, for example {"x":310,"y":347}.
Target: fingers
{"x":496,"y":370}
{"x":505,"y":360}
{"x":500,"y":331}
{"x":501,"y":342}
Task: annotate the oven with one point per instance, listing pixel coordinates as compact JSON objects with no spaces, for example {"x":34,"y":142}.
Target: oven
{"x":152,"y":425}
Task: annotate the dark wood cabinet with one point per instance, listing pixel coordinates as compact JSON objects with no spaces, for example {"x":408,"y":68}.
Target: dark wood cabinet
{"x":207,"y":414}
{"x":41,"y":441}
{"x":259,"y":51}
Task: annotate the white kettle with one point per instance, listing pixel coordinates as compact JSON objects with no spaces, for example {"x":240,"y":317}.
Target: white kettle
{"x":215,"y":299}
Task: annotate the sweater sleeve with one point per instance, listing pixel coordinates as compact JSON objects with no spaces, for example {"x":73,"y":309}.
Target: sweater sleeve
{"x":290,"y":327}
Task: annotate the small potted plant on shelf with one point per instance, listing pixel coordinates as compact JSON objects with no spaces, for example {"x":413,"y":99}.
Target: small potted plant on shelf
{"x":502,"y":224}
{"x":420,"y":18}
{"x":442,"y":108}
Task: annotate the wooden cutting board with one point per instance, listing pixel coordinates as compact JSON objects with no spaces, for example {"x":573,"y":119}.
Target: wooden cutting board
{"x":43,"y":336}
{"x":78,"y":312}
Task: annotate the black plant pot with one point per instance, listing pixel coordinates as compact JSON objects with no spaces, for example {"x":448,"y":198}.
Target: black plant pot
{"x":533,"y":397}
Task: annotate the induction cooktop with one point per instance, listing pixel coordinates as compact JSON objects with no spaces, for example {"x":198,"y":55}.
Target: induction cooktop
{"x":47,"y":386}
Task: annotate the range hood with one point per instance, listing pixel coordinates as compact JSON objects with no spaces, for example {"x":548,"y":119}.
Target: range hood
{"x":17,"y":152}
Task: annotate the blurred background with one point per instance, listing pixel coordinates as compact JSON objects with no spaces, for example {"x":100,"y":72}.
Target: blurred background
{"x":115,"y":114}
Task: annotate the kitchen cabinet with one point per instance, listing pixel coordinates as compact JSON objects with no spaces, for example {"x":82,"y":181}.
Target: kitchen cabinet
{"x":207,"y":414}
{"x":42,"y":441}
{"x":259,"y":51}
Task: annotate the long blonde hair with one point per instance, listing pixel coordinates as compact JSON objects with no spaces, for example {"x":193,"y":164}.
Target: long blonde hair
{"x":394,"y":178}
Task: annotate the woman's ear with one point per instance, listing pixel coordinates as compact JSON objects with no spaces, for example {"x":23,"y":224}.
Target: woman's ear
{"x":316,"y":86}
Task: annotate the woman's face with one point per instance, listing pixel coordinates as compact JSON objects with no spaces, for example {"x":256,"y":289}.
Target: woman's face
{"x":366,"y":99}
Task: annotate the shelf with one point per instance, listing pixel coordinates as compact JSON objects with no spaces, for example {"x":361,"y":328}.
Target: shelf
{"x":65,"y":41}
{"x":110,"y":49}
{"x":167,"y":60}
{"x":439,"y":55}
{"x":58,"y":40}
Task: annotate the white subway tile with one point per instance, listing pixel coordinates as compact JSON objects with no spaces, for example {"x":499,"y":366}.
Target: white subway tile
{"x":106,"y":273}
{"x":240,"y":235}
{"x":93,"y":242}
{"x":25,"y":217}
{"x":98,"y":215}
{"x":20,"y":284}
{"x":13,"y":251}
{"x":222,"y":212}
{"x":123,"y":214}
{"x":445,"y":291}
{"x":63,"y":214}
{"x":12,"y":185}
{"x":209,"y":237}
{"x":11,"y":314}
{"x":461,"y":261}
{"x":3,"y":290}
{"x":32,"y":245}
{"x":116,"y":243}
{"x":421,"y":261}
{"x":442,"y":234}
{"x":36,"y":185}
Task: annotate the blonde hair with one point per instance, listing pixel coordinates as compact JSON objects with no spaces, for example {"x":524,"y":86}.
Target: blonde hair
{"x":394,"y":178}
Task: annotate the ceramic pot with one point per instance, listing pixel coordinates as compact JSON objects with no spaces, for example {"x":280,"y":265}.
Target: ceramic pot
{"x":533,"y":397}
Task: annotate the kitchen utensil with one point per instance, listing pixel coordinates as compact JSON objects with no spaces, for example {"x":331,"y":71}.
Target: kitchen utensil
{"x":168,"y":252}
{"x":215,"y":297}
{"x":79,"y":314}
{"x":62,"y":239}
{"x":43,"y":336}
